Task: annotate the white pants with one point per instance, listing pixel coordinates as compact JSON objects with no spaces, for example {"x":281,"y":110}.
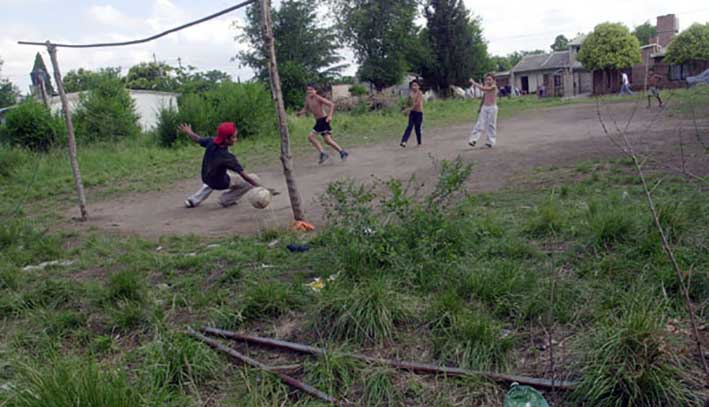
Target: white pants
{"x":487,"y":121}
{"x":237,"y":189}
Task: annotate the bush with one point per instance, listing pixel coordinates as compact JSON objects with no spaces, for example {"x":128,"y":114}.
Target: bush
{"x":630,"y":360}
{"x":248,"y":105}
{"x":31,"y":125}
{"x":358,"y":90}
{"x":106,"y":112}
{"x":70,"y":384}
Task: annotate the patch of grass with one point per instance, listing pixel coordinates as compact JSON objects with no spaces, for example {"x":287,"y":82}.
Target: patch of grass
{"x":609,"y":224}
{"x":260,"y":389}
{"x":547,"y":219}
{"x":629,"y":359}
{"x":466,"y":336}
{"x":126,"y":285}
{"x":126,"y":316}
{"x":364,"y":313}
{"x":379,"y":389}
{"x":270,"y":299}
{"x":71,"y":383}
{"x":332,"y":373}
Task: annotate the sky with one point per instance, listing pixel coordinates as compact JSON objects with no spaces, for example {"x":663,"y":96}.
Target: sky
{"x":507,"y":26}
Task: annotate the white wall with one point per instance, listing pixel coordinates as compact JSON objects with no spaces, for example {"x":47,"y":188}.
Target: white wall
{"x":147,"y":105}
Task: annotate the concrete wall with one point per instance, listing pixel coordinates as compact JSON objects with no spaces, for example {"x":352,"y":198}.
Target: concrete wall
{"x":340,"y":91}
{"x":147,"y":105}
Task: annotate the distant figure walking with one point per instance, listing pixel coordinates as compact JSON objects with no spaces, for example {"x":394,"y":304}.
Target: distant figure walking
{"x":653,"y":91}
{"x":625,"y":86}
{"x":487,"y":118}
{"x":415,"y":112}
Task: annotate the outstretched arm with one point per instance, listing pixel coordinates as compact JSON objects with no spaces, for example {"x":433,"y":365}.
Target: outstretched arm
{"x":253,"y":182}
{"x":187,"y":129}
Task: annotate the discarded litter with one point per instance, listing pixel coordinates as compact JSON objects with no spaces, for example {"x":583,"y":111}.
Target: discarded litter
{"x":298,"y":248}
{"x":57,"y":263}
{"x":524,"y":396}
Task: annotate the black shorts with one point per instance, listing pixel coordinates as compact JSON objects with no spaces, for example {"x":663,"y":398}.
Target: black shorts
{"x":322,"y":127}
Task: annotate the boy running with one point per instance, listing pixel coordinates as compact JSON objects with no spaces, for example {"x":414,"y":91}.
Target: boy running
{"x":415,"y":111}
{"x":487,"y":119}
{"x":316,"y":105}
{"x":652,"y":80}
{"x":221,"y":170}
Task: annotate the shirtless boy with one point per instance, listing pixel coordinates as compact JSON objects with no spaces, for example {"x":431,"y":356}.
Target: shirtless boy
{"x":316,"y":105}
{"x":487,"y":119}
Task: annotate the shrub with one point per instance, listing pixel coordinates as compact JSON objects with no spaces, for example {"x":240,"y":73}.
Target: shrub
{"x":70,"y":384}
{"x":250,"y":105}
{"x":195,"y":110}
{"x":358,"y":90}
{"x":106,"y":112}
{"x":31,"y":125}
{"x":126,"y":285}
{"x":166,"y":129}
{"x":365,"y":313}
{"x":630,"y":360}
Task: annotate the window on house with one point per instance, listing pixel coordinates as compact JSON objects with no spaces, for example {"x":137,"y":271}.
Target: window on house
{"x":679,"y":72}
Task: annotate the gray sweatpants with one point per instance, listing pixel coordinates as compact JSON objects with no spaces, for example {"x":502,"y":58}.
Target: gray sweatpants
{"x":487,"y":121}
{"x":237,"y":189}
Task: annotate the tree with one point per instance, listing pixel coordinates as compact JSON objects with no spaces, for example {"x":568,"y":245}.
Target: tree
{"x":8,"y":91}
{"x":152,"y":76}
{"x":188,"y":80}
{"x":644,"y":32}
{"x":458,"y":48}
{"x":691,"y":44}
{"x":106,"y":112}
{"x":305,"y":50}
{"x":561,"y":43}
{"x":610,"y":46}
{"x":40,"y":66}
{"x":83,"y":79}
{"x":380,"y":32}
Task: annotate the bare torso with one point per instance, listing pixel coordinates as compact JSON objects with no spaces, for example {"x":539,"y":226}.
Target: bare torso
{"x":490,"y":96}
{"x":314,"y":105}
{"x":416,"y":101}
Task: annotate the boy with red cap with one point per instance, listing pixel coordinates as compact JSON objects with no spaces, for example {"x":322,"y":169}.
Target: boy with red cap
{"x":220,"y":167}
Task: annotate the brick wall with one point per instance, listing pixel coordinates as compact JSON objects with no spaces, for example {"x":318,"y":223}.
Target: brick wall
{"x":667,"y":27}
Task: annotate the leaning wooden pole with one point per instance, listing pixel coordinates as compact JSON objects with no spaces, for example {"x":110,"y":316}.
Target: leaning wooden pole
{"x":286,"y":156}
{"x":70,"y":132}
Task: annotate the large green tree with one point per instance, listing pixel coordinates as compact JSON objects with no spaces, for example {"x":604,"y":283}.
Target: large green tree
{"x":610,"y":46}
{"x":561,"y":43}
{"x":644,"y":32}
{"x":507,"y":62}
{"x":380,"y":32}
{"x":157,"y":76}
{"x":456,"y":42}
{"x":40,"y":66}
{"x":691,"y":44}
{"x":306,"y":50}
{"x":81,"y":79}
{"x":8,"y":91}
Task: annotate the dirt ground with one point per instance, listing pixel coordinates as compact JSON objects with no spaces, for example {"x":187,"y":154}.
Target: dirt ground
{"x":559,"y":137}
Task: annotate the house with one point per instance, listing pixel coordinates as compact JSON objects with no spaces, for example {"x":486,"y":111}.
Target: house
{"x":147,"y":104}
{"x":558,"y":73}
{"x":652,"y":57}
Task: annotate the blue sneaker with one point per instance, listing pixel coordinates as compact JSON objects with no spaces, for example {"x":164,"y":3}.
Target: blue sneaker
{"x":344,"y":154}
{"x":323,"y":157}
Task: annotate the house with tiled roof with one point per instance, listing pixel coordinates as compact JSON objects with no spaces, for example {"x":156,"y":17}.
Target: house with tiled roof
{"x":557,"y":73}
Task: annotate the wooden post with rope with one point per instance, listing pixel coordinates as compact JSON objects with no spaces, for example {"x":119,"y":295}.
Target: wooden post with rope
{"x":71,"y":140}
{"x":286,"y":156}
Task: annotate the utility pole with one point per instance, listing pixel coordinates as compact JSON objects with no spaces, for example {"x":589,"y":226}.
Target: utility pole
{"x":70,"y":132}
{"x":286,"y":156}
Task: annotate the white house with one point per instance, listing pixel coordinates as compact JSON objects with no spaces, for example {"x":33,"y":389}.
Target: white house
{"x":147,"y":104}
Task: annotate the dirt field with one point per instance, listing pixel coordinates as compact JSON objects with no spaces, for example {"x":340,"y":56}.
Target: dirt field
{"x":553,"y":137}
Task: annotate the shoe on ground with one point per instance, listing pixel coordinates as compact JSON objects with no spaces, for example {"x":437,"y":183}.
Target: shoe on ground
{"x":344,"y":154}
{"x":402,"y":144}
{"x":472,"y":143}
{"x":488,"y":145}
{"x":323,"y":158}
{"x":189,"y":204}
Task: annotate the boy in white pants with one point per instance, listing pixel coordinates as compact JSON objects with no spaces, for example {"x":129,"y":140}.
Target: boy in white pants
{"x":220,"y":169}
{"x":487,"y":119}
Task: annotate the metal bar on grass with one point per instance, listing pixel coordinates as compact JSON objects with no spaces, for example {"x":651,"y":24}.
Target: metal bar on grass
{"x":306,"y":388}
{"x":402,"y":365}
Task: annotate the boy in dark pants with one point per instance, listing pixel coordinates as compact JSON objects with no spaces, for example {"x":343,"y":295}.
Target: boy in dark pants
{"x":415,"y":110}
{"x":652,"y":91}
{"x":316,"y":104}
{"x":221,"y":170}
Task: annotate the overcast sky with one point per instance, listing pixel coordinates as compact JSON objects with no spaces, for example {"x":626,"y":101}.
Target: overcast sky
{"x":508,"y":26}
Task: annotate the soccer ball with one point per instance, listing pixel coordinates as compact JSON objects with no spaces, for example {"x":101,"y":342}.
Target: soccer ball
{"x":260,"y":198}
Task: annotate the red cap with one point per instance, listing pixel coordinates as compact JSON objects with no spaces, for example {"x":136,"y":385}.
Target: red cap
{"x":224,"y":131}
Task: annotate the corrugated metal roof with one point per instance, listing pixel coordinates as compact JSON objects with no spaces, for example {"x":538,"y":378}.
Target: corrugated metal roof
{"x":543,"y":62}
{"x":578,"y":41}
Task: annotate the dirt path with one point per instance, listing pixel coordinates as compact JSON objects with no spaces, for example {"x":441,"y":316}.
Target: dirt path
{"x":558,"y":136}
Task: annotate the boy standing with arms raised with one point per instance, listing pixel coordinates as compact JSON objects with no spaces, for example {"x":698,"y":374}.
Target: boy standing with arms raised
{"x":316,"y":105}
{"x":487,"y":119}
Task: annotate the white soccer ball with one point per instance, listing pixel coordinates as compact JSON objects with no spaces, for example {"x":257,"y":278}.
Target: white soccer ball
{"x":260,"y":198}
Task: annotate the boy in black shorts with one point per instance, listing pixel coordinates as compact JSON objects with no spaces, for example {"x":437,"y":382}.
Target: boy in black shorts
{"x":316,"y":105}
